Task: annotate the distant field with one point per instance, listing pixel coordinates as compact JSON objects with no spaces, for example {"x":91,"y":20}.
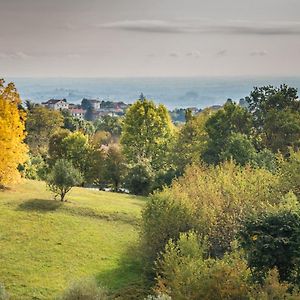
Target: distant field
{"x":45,"y":244}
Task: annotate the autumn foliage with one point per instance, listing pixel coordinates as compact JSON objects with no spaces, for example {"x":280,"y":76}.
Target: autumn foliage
{"x":12,"y":133}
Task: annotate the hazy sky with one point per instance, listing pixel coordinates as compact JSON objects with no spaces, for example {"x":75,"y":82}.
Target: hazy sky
{"x":95,"y":38}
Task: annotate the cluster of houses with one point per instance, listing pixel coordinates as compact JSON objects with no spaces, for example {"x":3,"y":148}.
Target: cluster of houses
{"x":95,"y":108}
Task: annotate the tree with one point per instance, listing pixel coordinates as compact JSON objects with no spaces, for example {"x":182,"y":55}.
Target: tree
{"x":74,"y":124}
{"x":76,"y":149}
{"x":57,"y":148}
{"x":263,"y":99}
{"x":282,"y":130}
{"x":191,"y":142}
{"x":115,"y":168}
{"x":101,"y":138}
{"x":140,"y":178}
{"x":289,"y":170}
{"x":276,"y":114}
{"x":40,"y":125}
{"x":147,"y":134}
{"x":110,"y":124}
{"x":13,"y":151}
{"x":239,"y":148}
{"x":229,"y":120}
{"x":62,"y":178}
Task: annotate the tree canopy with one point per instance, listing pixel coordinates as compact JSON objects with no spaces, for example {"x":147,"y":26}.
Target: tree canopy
{"x":147,"y":133}
{"x":12,"y":133}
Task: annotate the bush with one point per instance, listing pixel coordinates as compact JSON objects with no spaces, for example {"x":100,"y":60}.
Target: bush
{"x":163,"y":218}
{"x":159,"y":296}
{"x":140,"y":178}
{"x":3,"y":294}
{"x":85,"y":289}
{"x":272,"y":240}
{"x":273,"y":289}
{"x":210,"y":200}
{"x":290,"y":173}
{"x":35,"y":168}
{"x":62,"y":178}
{"x":184,"y":273}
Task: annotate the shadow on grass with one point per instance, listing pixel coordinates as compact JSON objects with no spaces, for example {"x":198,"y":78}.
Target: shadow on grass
{"x":40,"y":205}
{"x":126,"y":282}
{"x":92,"y":213}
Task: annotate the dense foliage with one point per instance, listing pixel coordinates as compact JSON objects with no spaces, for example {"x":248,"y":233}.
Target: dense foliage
{"x":147,"y":133}
{"x":12,"y":133}
{"x":272,"y":240}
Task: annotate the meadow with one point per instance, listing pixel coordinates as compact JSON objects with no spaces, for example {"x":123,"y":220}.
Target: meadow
{"x":46,"y":244}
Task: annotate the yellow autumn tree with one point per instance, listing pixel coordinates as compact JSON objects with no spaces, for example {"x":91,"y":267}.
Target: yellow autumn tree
{"x":13,"y":150}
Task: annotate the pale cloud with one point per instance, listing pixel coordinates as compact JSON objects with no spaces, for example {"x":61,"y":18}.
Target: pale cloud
{"x":174,"y":54}
{"x":194,"y":54}
{"x":222,"y":52}
{"x":14,"y":55}
{"x":73,"y":56}
{"x":227,"y":27}
{"x":259,"y":53}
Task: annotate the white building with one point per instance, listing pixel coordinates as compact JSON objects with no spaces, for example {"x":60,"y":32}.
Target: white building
{"x":56,"y":104}
{"x":78,"y":113}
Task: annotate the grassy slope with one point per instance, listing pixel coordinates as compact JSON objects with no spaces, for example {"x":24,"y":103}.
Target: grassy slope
{"x":45,"y":244}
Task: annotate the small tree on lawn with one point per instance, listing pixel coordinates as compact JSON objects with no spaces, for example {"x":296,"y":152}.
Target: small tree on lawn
{"x":62,"y":178}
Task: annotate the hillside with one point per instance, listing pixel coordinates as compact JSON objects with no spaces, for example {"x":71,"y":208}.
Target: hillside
{"x":46,"y":244}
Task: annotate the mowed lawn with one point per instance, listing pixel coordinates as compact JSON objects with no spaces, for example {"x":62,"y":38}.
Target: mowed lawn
{"x":45,"y":244}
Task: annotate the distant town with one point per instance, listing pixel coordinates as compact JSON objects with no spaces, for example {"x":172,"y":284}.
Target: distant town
{"x":90,"y":109}
{"x":93,"y":109}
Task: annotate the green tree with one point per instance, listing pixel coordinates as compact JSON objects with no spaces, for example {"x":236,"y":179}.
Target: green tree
{"x":57,"y":148}
{"x":282,"y":130}
{"x":276,"y":114}
{"x":147,"y":134}
{"x":115,"y":168}
{"x":76,"y":149}
{"x":289,"y":170}
{"x":140,"y":178}
{"x":263,"y":99}
{"x":191,"y":142}
{"x":62,"y":178}
{"x":220,"y":126}
{"x":239,"y":148}
{"x":110,"y":124}
{"x":41,"y":123}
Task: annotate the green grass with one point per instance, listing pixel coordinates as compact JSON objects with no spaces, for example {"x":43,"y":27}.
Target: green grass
{"x":45,"y":244}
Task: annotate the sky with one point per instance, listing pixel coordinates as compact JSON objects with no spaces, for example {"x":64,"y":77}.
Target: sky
{"x":149,"y":38}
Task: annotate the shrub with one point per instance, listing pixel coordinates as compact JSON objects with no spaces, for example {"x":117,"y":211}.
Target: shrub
{"x":35,"y":168}
{"x":159,"y":296}
{"x":290,"y":173}
{"x":272,"y":240}
{"x":272,"y":288}
{"x":211,"y":200}
{"x":163,"y":218}
{"x":62,"y":178}
{"x":85,"y":289}
{"x":140,"y":178}
{"x":3,"y":294}
{"x":184,"y":273}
